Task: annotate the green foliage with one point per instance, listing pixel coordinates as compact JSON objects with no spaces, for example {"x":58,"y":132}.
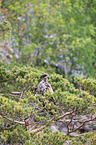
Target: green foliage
{"x":88,"y":138}
{"x":15,"y":109}
{"x":5,"y":30}
{"x":60,"y":33}
{"x":49,"y":138}
{"x":4,"y":74}
{"x":88,"y":84}
{"x":16,"y":136}
{"x":7,"y":105}
{"x":47,"y":36}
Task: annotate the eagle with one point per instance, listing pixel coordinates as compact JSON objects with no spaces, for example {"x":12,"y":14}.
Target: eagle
{"x":43,"y":85}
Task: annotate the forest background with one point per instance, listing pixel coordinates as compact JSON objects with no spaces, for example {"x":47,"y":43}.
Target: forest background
{"x":53,"y":36}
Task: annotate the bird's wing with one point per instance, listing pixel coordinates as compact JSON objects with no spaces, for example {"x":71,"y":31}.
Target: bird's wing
{"x":41,"y":88}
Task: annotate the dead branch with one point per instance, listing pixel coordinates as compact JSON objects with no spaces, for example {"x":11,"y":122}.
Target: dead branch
{"x":14,"y":95}
{"x":40,"y":110}
{"x":70,"y":123}
{"x":38,"y":129}
{"x":7,"y":128}
{"x":74,"y":121}
{"x":15,"y":121}
{"x":33,"y":127}
{"x":81,"y":125}
{"x":53,"y":119}
{"x":25,"y":89}
{"x":64,"y":115}
{"x":16,"y":92}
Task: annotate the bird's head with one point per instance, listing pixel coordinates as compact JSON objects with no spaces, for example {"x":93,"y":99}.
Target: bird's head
{"x":44,"y":77}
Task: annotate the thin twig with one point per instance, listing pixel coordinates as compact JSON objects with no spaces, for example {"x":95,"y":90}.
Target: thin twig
{"x":38,"y":129}
{"x":14,"y":95}
{"x":82,"y":124}
{"x":33,"y":127}
{"x":25,"y":89}
{"x":16,"y":92}
{"x":23,"y":92}
{"x":69,"y":124}
{"x":41,"y":109}
{"x":6,"y":128}
{"x":74,"y":121}
{"x":53,"y":119}
{"x":15,"y":121}
{"x":64,"y":115}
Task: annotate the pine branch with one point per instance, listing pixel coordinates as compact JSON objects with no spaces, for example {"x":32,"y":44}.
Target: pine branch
{"x":7,"y":128}
{"x":64,"y":115}
{"x":25,"y":89}
{"x":70,"y":123}
{"x":48,"y":123}
{"x":81,"y":125}
{"x":33,"y":127}
{"x":42,"y":127}
{"x":15,"y":121}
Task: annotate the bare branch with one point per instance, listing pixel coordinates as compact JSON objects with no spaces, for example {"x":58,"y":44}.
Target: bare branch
{"x":25,"y":89}
{"x":14,"y":95}
{"x":74,"y":121}
{"x":38,"y":129}
{"x":82,"y":124}
{"x":15,"y":121}
{"x":33,"y":127}
{"x":62,"y":116}
{"x":69,"y":124}
{"x":40,"y":110}
{"x":53,"y":119}
{"x":16,"y":92}
{"x":7,"y":128}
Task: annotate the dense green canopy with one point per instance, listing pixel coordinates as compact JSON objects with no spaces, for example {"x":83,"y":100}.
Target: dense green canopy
{"x":22,"y":113}
{"x":59,"y":34}
{"x":57,"y":37}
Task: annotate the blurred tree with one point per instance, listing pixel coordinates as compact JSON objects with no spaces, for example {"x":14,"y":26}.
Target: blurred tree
{"x":58,"y":33}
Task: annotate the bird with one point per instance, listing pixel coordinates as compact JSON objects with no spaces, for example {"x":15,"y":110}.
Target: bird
{"x":43,"y":85}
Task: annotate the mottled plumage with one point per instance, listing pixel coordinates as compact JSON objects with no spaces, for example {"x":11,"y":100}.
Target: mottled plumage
{"x":43,"y":85}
